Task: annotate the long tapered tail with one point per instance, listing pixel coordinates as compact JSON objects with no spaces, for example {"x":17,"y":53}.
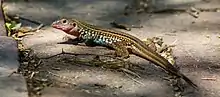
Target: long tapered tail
{"x":160,"y":61}
{"x":189,"y":81}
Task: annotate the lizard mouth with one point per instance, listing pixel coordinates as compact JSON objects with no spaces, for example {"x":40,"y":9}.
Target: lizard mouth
{"x":58,"y":27}
{"x":66,"y":29}
{"x":55,"y":26}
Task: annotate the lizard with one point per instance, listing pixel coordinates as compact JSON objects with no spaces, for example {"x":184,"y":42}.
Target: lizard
{"x":123,"y":43}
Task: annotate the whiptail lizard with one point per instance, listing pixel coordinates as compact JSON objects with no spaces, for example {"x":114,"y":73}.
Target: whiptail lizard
{"x":121,"y":42}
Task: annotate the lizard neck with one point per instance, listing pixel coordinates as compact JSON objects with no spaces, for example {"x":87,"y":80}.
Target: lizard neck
{"x":74,"y":32}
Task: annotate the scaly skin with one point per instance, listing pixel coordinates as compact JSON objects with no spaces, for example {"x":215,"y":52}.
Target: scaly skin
{"x":123,"y":43}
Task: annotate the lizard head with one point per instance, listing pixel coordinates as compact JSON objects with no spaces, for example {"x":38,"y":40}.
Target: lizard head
{"x":67,"y":25}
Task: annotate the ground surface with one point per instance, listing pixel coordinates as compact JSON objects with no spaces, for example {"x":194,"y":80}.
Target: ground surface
{"x":196,"y":39}
{"x":14,"y":85}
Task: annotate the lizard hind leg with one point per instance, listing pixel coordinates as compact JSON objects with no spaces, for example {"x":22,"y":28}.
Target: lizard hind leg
{"x":120,"y":50}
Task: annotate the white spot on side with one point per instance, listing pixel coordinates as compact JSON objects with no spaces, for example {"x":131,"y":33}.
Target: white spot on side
{"x":110,"y":41}
{"x":100,"y":36}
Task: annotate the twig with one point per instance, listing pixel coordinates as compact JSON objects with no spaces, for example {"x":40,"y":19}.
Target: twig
{"x":134,"y":79}
{"x":130,"y":72}
{"x":14,"y":72}
{"x":174,"y":42}
{"x":120,"y":26}
{"x":35,"y":29}
{"x":63,"y":52}
{"x":22,"y":18}
{"x":123,"y":26}
{"x":209,"y":78}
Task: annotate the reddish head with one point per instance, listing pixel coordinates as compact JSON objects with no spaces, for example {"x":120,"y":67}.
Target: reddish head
{"x":66,"y":25}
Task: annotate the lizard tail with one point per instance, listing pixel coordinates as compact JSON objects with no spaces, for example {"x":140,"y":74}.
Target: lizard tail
{"x":160,"y":61}
{"x":175,"y":72}
{"x":188,"y":80}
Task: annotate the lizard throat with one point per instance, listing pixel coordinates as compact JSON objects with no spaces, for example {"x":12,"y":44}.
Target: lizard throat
{"x":69,"y":30}
{"x":73,"y":32}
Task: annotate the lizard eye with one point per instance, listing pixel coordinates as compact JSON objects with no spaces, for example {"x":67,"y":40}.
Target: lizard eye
{"x":64,"y":21}
{"x":74,"y":24}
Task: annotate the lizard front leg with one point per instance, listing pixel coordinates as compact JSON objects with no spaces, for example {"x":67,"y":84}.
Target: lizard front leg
{"x":91,"y":43}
